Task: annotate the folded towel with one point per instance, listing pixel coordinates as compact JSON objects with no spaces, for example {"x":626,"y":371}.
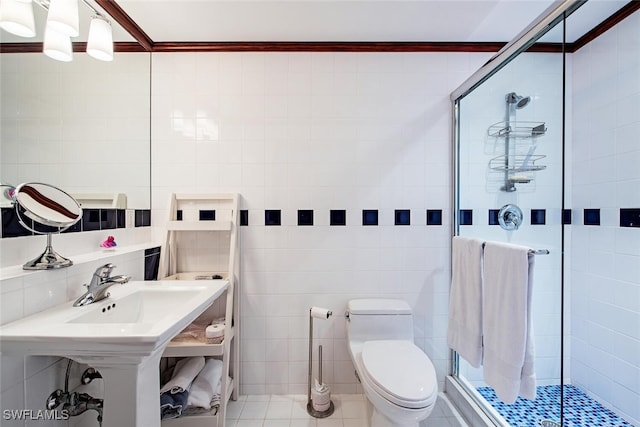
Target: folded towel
{"x":193,"y":410}
{"x":215,"y":400}
{"x":183,"y":374}
{"x":213,"y":410}
{"x":507,"y":328}
{"x":464,"y":333}
{"x":173,"y":404}
{"x":205,"y":390}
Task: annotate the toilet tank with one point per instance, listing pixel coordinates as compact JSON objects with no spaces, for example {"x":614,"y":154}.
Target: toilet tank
{"x":379,"y":319}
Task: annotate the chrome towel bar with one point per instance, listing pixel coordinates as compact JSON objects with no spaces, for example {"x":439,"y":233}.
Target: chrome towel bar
{"x":534,"y":251}
{"x":539,"y":251}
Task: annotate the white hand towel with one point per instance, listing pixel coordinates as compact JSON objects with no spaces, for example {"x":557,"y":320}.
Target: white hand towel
{"x":507,"y":328}
{"x":464,"y":334}
{"x":183,"y":374}
{"x":206,"y":385}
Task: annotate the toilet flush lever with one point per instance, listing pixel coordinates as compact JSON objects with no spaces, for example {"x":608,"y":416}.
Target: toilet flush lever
{"x":346,"y":316}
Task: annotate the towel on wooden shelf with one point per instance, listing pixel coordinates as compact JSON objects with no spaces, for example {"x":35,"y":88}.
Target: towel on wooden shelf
{"x":464,"y":332}
{"x":195,"y":331}
{"x":172,"y":405}
{"x":184,"y":373}
{"x":206,"y":388}
{"x":507,"y":328}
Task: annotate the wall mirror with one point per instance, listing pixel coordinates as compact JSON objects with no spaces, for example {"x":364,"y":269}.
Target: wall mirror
{"x":45,"y":209}
{"x":82,"y":125}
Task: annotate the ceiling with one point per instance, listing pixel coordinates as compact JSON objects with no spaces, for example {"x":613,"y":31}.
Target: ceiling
{"x":336,"y":20}
{"x":326,"y":20}
{"x":349,"y":20}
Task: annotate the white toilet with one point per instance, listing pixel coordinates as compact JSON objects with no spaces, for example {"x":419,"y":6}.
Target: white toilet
{"x":398,"y":378}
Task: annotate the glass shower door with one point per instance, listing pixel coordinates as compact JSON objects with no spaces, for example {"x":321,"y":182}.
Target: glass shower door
{"x":536,"y":133}
{"x":510,"y":189}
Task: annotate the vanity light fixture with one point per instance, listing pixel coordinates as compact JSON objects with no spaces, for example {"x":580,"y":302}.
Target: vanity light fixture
{"x":100,"y":41}
{"x":63,"y":17}
{"x":57,"y":46}
{"x":16,"y":17}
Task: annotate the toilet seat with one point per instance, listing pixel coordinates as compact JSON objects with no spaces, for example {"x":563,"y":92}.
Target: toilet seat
{"x":400,"y":372}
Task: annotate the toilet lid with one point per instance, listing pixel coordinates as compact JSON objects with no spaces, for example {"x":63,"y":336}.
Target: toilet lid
{"x":401,"y":372}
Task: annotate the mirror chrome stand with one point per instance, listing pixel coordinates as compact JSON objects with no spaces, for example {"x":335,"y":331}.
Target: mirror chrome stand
{"x":48,"y":260}
{"x":38,"y":204}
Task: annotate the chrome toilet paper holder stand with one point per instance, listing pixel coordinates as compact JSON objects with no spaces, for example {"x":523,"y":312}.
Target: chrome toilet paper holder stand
{"x":310,"y":409}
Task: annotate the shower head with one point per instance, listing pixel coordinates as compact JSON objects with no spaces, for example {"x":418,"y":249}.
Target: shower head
{"x":517,"y":100}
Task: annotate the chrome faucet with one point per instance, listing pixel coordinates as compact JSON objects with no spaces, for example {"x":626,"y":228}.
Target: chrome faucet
{"x":101,"y":281}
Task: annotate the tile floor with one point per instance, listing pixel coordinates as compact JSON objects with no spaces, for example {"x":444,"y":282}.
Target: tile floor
{"x":579,"y":408}
{"x":350,"y":409}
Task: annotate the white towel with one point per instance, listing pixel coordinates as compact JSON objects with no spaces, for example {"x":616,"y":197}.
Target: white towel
{"x":464,"y":334}
{"x":207,"y":385}
{"x":183,"y":374}
{"x":507,"y":328}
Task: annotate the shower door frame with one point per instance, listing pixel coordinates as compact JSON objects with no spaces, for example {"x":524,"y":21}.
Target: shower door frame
{"x":551,"y":17}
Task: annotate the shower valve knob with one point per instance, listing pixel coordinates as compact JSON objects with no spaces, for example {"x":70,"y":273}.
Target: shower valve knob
{"x":510,"y":217}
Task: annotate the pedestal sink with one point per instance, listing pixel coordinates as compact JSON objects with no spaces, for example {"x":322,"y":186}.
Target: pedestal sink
{"x":122,"y":336}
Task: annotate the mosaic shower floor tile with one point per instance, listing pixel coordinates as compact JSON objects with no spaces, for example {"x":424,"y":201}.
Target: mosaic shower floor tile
{"x":580,"y":410}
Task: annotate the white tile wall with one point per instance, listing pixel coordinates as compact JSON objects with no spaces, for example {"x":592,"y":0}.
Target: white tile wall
{"x":316,"y":131}
{"x":605,"y":299}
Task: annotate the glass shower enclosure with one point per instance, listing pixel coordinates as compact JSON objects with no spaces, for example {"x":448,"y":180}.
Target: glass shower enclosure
{"x":512,"y":155}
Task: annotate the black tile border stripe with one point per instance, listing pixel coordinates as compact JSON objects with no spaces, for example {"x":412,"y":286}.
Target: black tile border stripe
{"x":94,"y":219}
{"x":434,"y":216}
{"x":272,"y":217}
{"x":538,"y":216}
{"x":107,"y":219}
{"x":143,"y":217}
{"x":465,"y":216}
{"x":369,"y":217}
{"x":337,"y":217}
{"x":207,"y":214}
{"x":591,"y":217}
{"x":630,"y":217}
{"x":244,"y":217}
{"x":305,"y":217}
{"x":493,"y":217}
{"x":402,"y":217}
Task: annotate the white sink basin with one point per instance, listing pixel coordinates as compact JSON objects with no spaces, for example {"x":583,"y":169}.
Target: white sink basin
{"x":144,"y":306}
{"x":138,"y":317}
{"x":122,"y":336}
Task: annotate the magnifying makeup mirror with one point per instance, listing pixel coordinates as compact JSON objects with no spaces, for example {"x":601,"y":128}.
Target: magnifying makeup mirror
{"x":45,"y":209}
